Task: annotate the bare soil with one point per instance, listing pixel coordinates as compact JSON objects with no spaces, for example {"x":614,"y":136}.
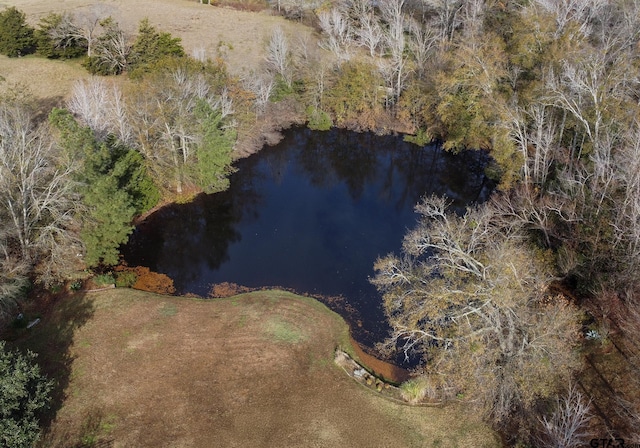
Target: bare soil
{"x":137,"y":369}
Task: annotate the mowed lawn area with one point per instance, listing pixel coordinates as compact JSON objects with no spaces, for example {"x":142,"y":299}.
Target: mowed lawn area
{"x":136,"y":369}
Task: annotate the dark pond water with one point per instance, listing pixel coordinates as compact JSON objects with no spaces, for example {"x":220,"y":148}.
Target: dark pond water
{"x":311,"y":214}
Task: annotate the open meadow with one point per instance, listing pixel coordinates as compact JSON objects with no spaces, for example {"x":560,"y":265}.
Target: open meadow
{"x":139,"y":369}
{"x":238,"y":37}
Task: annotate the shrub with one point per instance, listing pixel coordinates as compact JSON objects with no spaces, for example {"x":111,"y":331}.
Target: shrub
{"x":413,"y":391}
{"x":318,"y":120}
{"x":422,"y":137}
{"x":24,"y":394}
{"x":126,"y":279}
{"x":104,"y":279}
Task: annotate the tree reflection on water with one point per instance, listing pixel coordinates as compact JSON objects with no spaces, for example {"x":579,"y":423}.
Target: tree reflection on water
{"x":311,"y":214}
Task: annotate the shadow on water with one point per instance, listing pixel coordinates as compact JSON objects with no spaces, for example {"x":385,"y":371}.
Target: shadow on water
{"x":52,"y":340}
{"x":310,"y":214}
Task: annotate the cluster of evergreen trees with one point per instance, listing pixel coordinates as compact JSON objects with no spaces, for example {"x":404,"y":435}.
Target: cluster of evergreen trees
{"x":107,"y":49}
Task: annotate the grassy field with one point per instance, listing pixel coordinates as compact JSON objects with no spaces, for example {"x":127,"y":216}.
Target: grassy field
{"x":135,"y":369}
{"x":239,"y":37}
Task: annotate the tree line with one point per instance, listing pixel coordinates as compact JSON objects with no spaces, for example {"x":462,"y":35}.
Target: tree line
{"x":71,"y":185}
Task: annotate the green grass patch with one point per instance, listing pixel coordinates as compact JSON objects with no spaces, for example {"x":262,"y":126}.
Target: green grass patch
{"x":282,"y":331}
{"x":168,"y":310}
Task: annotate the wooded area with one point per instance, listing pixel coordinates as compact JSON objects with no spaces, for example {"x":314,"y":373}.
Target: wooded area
{"x":548,"y":87}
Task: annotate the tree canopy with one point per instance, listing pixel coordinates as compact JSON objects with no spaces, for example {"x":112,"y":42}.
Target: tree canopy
{"x":113,"y":184}
{"x":151,"y":46}
{"x":24,"y":395}
{"x":16,"y":37}
{"x":471,"y":297}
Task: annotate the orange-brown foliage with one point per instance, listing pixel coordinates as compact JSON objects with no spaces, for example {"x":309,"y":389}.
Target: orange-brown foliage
{"x":152,"y":281}
{"x":227,"y":289}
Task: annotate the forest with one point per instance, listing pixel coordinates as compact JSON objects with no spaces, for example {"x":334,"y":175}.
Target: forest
{"x":499,"y":301}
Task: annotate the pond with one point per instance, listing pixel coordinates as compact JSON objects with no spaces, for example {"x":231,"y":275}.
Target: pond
{"x":310,"y":214}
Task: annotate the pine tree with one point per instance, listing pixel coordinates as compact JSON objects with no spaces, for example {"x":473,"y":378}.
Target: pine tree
{"x":16,"y":37}
{"x":151,"y":46}
{"x":214,"y":150}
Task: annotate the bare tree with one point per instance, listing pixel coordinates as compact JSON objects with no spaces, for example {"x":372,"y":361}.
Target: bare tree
{"x":119,"y":117}
{"x":261,"y":87}
{"x":589,"y":89}
{"x":626,"y":223}
{"x":338,"y":32}
{"x":279,"y":56}
{"x":395,"y":67}
{"x":175,"y":104}
{"x":567,"y":427}
{"x":422,"y":41}
{"x":581,"y":12}
{"x":615,"y":29}
{"x":369,"y":32}
{"x":535,"y":132}
{"x":84,"y":26}
{"x":100,"y":105}
{"x":470,"y":296}
{"x":224,"y":102}
{"x":446,"y":16}
{"x":199,"y":54}
{"x":472,"y":16}
{"x":89,"y":102}
{"x":112,"y":48}
{"x":37,"y":201}
{"x":393,"y":14}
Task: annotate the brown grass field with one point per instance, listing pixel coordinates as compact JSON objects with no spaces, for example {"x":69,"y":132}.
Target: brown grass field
{"x":238,"y":37}
{"x":135,"y":369}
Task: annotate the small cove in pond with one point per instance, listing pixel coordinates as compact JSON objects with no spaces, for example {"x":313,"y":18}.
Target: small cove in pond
{"x":310,"y":214}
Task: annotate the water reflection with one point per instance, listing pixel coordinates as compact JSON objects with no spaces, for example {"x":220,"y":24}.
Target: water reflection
{"x":312,"y":214}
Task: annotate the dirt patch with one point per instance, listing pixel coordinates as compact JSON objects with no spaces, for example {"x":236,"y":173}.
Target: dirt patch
{"x":252,"y":370}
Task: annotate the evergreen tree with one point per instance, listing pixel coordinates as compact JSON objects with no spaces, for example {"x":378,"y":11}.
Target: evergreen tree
{"x":151,"y":46}
{"x":16,"y":37}
{"x":53,"y":42}
{"x":115,"y":187}
{"x":214,"y":149}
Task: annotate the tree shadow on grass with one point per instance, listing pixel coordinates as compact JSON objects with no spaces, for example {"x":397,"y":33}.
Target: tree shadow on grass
{"x":52,"y":340}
